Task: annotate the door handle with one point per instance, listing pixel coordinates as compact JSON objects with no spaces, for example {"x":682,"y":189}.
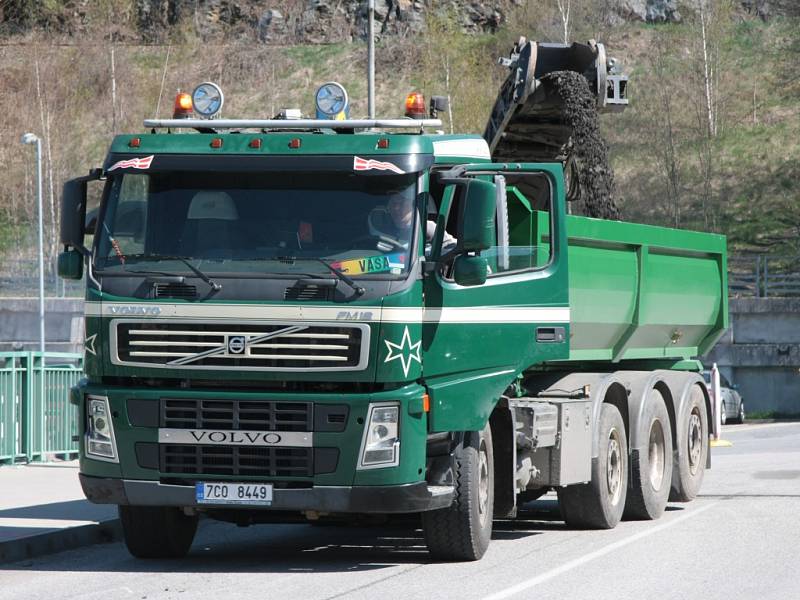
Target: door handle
{"x":550,"y":335}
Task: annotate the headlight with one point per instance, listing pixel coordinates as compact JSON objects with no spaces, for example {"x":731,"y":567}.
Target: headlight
{"x":380,"y":446}
{"x":100,"y":442}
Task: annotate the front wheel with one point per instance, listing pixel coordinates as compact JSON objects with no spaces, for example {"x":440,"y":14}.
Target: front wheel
{"x":723,"y":414}
{"x":157,"y":531}
{"x":599,"y":503}
{"x":464,"y":529}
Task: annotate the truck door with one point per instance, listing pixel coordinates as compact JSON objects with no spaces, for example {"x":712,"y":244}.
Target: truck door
{"x":491,"y":312}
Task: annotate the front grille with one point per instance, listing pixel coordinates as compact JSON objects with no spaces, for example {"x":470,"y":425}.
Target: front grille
{"x":240,"y":346}
{"x":236,"y":415}
{"x":236,"y":460}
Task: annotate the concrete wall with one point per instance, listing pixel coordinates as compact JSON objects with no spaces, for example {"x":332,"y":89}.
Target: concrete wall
{"x":761,"y":353}
{"x":19,"y":324}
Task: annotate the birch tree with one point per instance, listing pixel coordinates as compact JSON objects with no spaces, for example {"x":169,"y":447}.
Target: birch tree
{"x":564,"y":11}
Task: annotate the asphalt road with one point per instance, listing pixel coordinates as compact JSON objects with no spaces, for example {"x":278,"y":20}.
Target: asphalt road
{"x":737,"y":540}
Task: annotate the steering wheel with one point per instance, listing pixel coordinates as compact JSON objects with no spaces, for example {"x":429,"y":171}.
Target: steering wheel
{"x":377,"y":239}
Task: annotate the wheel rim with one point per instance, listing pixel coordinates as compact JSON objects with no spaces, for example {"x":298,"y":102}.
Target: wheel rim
{"x":695,"y":440}
{"x":723,"y":415}
{"x":741,"y":412}
{"x":614,"y":466}
{"x":483,"y":484}
{"x":656,"y":454}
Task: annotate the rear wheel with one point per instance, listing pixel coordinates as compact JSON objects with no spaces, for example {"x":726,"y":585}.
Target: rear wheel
{"x":157,"y":531}
{"x":651,"y":466}
{"x":689,"y":468}
{"x":463,"y":530}
{"x":599,"y":503}
{"x":740,"y":417}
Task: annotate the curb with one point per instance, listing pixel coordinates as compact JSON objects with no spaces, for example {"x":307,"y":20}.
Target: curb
{"x":60,"y":540}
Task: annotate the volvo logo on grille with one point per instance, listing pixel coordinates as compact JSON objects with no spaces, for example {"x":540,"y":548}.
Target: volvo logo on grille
{"x":134,"y":310}
{"x":218,"y":437}
{"x":236,"y":344}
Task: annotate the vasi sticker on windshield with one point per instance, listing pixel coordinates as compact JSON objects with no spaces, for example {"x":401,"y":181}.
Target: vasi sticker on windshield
{"x":372,"y":264}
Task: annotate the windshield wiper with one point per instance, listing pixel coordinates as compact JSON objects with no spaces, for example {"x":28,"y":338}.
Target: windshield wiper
{"x":359,"y":291}
{"x":214,"y":285}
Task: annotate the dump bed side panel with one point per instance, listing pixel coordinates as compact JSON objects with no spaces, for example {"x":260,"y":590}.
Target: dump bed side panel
{"x":644,"y":292}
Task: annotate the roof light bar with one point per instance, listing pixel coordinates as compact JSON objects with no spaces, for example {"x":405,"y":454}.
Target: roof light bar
{"x":292,"y":123}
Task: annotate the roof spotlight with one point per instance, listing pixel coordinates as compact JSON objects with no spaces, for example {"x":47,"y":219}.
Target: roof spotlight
{"x":332,"y":101}
{"x":207,"y":99}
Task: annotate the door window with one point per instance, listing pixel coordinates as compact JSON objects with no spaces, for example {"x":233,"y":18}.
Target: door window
{"x":522,"y":225}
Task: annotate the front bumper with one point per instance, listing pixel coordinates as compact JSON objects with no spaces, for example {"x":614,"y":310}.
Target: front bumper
{"x":378,"y":499}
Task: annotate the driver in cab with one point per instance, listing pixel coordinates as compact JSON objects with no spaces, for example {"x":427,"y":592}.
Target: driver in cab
{"x":396,"y":219}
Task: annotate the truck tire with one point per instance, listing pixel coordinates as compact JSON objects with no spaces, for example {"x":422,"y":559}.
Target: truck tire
{"x":157,"y":531}
{"x":689,"y":468}
{"x":599,"y":503}
{"x":651,"y":467}
{"x":464,"y":529}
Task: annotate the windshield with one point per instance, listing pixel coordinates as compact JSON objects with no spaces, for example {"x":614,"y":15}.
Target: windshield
{"x":228,"y":222}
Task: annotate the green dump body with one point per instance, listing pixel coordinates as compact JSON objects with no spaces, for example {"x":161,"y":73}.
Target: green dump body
{"x":640,"y":291}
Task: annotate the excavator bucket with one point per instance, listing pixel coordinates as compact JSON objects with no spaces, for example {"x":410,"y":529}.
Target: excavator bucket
{"x":528,"y":122}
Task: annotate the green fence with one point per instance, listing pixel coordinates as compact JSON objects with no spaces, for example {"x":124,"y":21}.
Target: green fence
{"x":37,"y":421}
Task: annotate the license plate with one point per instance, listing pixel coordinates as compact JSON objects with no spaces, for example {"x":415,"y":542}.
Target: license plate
{"x":234,"y":493}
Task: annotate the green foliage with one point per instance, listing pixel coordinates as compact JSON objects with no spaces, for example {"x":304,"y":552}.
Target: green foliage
{"x":744,"y":181}
{"x":772,"y":415}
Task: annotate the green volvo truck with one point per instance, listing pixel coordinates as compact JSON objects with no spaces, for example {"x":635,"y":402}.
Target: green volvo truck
{"x":298,"y":319}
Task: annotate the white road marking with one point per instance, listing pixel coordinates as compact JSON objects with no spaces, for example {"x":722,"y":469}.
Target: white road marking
{"x":36,"y":523}
{"x":547,"y":575}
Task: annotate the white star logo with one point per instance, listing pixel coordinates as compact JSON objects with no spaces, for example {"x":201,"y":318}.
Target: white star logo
{"x":405,"y":351}
{"x":88,"y":345}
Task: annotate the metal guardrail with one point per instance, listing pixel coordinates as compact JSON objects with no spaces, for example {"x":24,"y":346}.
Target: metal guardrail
{"x":763,"y":276}
{"x":36,"y":419}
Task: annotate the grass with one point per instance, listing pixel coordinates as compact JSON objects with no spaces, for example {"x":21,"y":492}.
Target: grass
{"x":772,"y":415}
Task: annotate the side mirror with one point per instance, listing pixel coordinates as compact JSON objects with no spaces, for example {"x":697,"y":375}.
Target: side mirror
{"x":73,"y":210}
{"x":470,"y":270}
{"x":477,"y":228}
{"x":70,"y":264}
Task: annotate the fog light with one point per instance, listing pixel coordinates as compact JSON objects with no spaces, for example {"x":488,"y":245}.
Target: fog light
{"x":380,"y":446}
{"x":100,"y":441}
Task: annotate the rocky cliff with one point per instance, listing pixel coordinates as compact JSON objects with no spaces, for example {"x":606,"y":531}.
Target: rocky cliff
{"x":315,"y":21}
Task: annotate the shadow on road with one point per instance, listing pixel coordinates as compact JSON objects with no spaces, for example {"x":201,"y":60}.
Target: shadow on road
{"x":322,"y":548}
{"x":24,"y":521}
